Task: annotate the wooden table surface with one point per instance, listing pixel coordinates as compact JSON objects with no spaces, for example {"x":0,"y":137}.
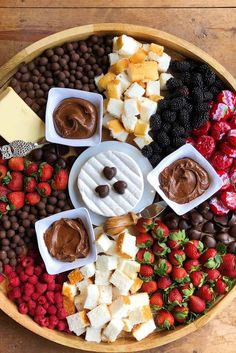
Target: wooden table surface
{"x":209,"y":24}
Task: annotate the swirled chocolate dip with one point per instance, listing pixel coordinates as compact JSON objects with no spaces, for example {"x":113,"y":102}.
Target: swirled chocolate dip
{"x":184,"y":180}
{"x":67,"y":239}
{"x":75,"y":118}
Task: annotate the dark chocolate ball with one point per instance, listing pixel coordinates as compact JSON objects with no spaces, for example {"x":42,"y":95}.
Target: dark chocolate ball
{"x":209,"y":241}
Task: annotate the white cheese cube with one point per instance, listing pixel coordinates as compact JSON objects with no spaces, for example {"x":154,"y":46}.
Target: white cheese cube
{"x":92,"y":297}
{"x":97,"y":79}
{"x":143,"y":141}
{"x":126,"y":45}
{"x":143,"y":330}
{"x":135,"y":91}
{"x":121,"y":281}
{"x":103,"y":243}
{"x":102,"y":277}
{"x":147,"y":108}
{"x":124,"y":80}
{"x":163,"y":62}
{"x":93,"y":334}
{"x":164,"y":77}
{"x":129,"y":122}
{"x":88,"y":270}
{"x":113,"y":329}
{"x":113,"y":58}
{"x":120,"y":307}
{"x":153,"y":88}
{"x":105,"y":294}
{"x":115,"y":107}
{"x":131,"y":107}
{"x":130,"y":268}
{"x":105,"y":262}
{"x":99,"y":316}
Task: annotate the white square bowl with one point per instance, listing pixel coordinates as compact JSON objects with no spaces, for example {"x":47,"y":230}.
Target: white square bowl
{"x":54,"y":266}
{"x":189,"y":151}
{"x":55,"y":96}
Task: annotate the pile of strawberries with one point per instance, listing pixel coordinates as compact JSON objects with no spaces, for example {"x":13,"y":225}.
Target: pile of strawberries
{"x":37,"y":293}
{"x":25,"y":182}
{"x":182,"y":278}
{"x":216,"y":141}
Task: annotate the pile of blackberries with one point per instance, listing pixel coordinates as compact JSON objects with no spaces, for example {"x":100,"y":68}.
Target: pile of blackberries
{"x":185,"y":107}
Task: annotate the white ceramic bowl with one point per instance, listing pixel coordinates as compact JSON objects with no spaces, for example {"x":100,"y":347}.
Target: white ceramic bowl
{"x":189,"y":151}
{"x":55,"y":96}
{"x":54,"y":266}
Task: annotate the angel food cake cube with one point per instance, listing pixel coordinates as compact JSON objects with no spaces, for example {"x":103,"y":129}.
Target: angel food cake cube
{"x":125,"y":45}
{"x":120,"y":307}
{"x":121,"y":281}
{"x":105,"y":262}
{"x":78,"y":322}
{"x":93,"y":334}
{"x":143,"y":330}
{"x":99,"y":316}
{"x":102,"y":277}
{"x":103,"y":243}
{"x":126,"y":245}
{"x":88,"y":270}
{"x":105,"y":294}
{"x":113,"y":329}
{"x":92,"y":297}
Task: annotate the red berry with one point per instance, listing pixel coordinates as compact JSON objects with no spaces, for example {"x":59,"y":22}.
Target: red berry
{"x":35,"y":296}
{"x":61,"y":326}
{"x":205,"y":145}
{"x":45,"y":171}
{"x":53,"y":321}
{"x":225,"y":179}
{"x":144,"y":240}
{"x":14,"y":282}
{"x":44,"y":321}
{"x":44,"y":189}
{"x":29,"y":184}
{"x":60,"y":180}
{"x":177,"y":257}
{"x":33,"y":279}
{"x":149,"y":287}
{"x":156,"y":301}
{"x":219,"y":129}
{"x":228,"y":149}
{"x":146,"y":272}
{"x":16,"y":164}
{"x":191,"y":265}
{"x":175,"y":297}
{"x":23,"y":277}
{"x":29,"y":270}
{"x":217,"y":207}
{"x":22,"y":308}
{"x":7,"y":269}
{"x":220,"y":112}
{"x":162,"y":267}
{"x":163,"y":282}
{"x":31,"y":168}
{"x":16,"y":199}
{"x":14,"y":293}
{"x":48,"y":278}
{"x":205,"y":293}
{"x":38,"y":270}
{"x":221,"y":287}
{"x":160,"y":249}
{"x":176,"y":239}
{"x":160,"y":230}
{"x":52,"y":310}
{"x":212,"y":274}
{"x":203,"y":130}
{"x":231,"y":137}
{"x":196,"y":304}
{"x":61,"y":313}
{"x":32,"y":198}
{"x":210,"y":258}
{"x":39,"y":310}
{"x":228,"y":199}
{"x":144,"y":224}
{"x":179,"y":275}
{"x":27,"y":261}
{"x":28,"y":289}
{"x":50,"y":296}
{"x":193,"y":249}
{"x":180,"y":313}
{"x":229,"y":262}
{"x":145,"y":256}
{"x":40,"y":288}
{"x":220,"y":160}
{"x":164,"y":319}
{"x":227,"y":97}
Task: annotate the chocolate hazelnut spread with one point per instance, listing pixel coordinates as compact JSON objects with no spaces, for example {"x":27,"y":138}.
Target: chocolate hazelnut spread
{"x":75,"y":118}
{"x":67,"y":239}
{"x":184,"y":180}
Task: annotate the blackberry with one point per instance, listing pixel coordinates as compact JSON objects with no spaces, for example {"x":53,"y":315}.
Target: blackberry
{"x":196,"y":80}
{"x":183,"y":116}
{"x":173,"y":83}
{"x":155,"y":147}
{"x":219,"y":84}
{"x":177,"y":103}
{"x":203,"y":68}
{"x":155,"y":121}
{"x":208,"y":96}
{"x":181,"y":66}
{"x":193,"y":64}
{"x":202,"y":107}
{"x":180,"y":92}
{"x":147,"y":151}
{"x":209,"y":77}
{"x":163,"y":139}
{"x":169,"y":150}
{"x":155,"y":159}
{"x":197,"y":95}
{"x":164,"y":103}
{"x":188,"y":107}
{"x":178,"y":141}
{"x":188,"y":129}
{"x":166,"y":126}
{"x":178,"y":130}
{"x":186,"y":78}
{"x":214,"y":91}
{"x":200,"y":119}
{"x":168,"y":116}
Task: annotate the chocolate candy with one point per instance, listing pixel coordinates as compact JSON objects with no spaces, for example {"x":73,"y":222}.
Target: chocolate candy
{"x":222,"y":237}
{"x":120,"y":186}
{"x":209,"y":241}
{"x":208,"y":227}
{"x":109,"y":172}
{"x":194,"y":234}
{"x":102,"y":190}
{"x":232,"y":231}
{"x":196,"y":217}
{"x":232,"y":247}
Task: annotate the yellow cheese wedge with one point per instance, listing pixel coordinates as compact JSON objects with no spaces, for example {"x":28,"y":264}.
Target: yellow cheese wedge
{"x":17,"y":120}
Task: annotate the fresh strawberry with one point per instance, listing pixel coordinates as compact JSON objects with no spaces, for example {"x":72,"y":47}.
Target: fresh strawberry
{"x":60,"y":180}
{"x":197,"y":278}
{"x":221,"y":287}
{"x":176,"y":239}
{"x":144,"y":240}
{"x":164,"y":319}
{"x":179,"y":275}
{"x":163,"y":267}
{"x":229,"y":261}
{"x":164,"y":282}
{"x":186,"y":289}
{"x":144,"y":224}
{"x":220,"y":160}
{"x":45,"y":171}
{"x":217,"y":206}
{"x":175,"y":297}
{"x":16,"y":200}
{"x":3,"y":207}
{"x":191,"y":265}
{"x":32,"y":198}
{"x":202,"y":130}
{"x":3,"y":192}
{"x":210,"y":258}
{"x":180,"y":314}
{"x":230,"y":273}
{"x":145,"y":256}
{"x":205,"y":145}
{"x":206,"y":293}
{"x":3,"y":171}
{"x":231,"y":137}
{"x":149,"y":287}
{"x":44,"y":189}
{"x":29,"y":184}
{"x":31,"y":168}
{"x":177,"y":257}
{"x":156,"y":301}
{"x":146,"y":273}
{"x":219,"y":129}
{"x":16,"y":164}
{"x":228,"y":198}
{"x":212,"y":274}
{"x":224,"y":175}
{"x":196,"y":304}
{"x":193,"y":249}
{"x":160,"y":249}
{"x":14,"y":181}
{"x":2,"y":161}
{"x":160,"y":231}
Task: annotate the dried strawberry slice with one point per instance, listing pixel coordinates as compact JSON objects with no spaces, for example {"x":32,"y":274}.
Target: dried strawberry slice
{"x":205,"y":145}
{"x":231,"y":137}
{"x":232,"y":175}
{"x":220,"y":160}
{"x":202,"y":130}
{"x":227,"y":97}
{"x":228,"y":149}
{"x":220,"y":112}
{"x":225,"y":179}
{"x":190,"y":140}
{"x":219,"y":129}
{"x":232,"y":121}
{"x":217,"y":206}
{"x":228,"y":198}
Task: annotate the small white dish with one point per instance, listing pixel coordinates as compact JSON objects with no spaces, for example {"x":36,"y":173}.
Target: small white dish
{"x":54,"y":266}
{"x":55,"y":96}
{"x":143,"y":163}
{"x":188,"y":151}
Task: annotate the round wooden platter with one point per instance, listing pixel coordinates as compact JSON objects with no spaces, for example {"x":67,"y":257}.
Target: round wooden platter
{"x":175,"y":45}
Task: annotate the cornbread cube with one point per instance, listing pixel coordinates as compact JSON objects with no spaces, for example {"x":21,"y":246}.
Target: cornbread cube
{"x":153,"y":88}
{"x":103,"y":243}
{"x":157,"y":49}
{"x":105,"y":294}
{"x":97,"y":79}
{"x":106,"y":262}
{"x":126,"y":245}
{"x":164,"y":77}
{"x":136,"y":285}
{"x":135,"y":91}
{"x":123,"y":78}
{"x":113,"y":58}
{"x":129,"y":122}
{"x":105,"y":80}
{"x":88,"y":270}
{"x":143,"y":330}
{"x":113,"y":329}
{"x":148,"y":70}
{"x":115,"y":107}
{"x":138,"y":57}
{"x":69,"y":306}
{"x":140,"y":315}
{"x":138,"y":300}
{"x":75,"y":276}
{"x":79,"y":302}
{"x":147,"y":108}
{"x":141,"y":128}
{"x":117,"y":130}
{"x":121,"y":281}
{"x":119,"y":66}
{"x":126,"y":46}
{"x":163,"y":60}
{"x":91,"y":300}
{"x":106,"y":118}
{"x":114,"y":89}
{"x":93,"y":334}
{"x":78,"y":322}
{"x":69,"y":290}
{"x":131,"y":107}
{"x":130,"y":268}
{"x":143,"y":141}
{"x":102,"y":277}
{"x":119,"y":307}
{"x":99,"y":316}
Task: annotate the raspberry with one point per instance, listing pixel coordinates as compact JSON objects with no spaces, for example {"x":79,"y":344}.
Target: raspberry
{"x":48,"y":278}
{"x":40,"y":287}
{"x":31,"y":304}
{"x":220,"y":160}
{"x":19,"y":269}
{"x":205,"y":145}
{"x":35,"y":296}
{"x":27,"y":261}
{"x":23,"y":309}
{"x":7,"y":269}
{"x":42,"y":300}
{"x":220,"y":112}
{"x":225,"y":179}
{"x":14,"y":293}
{"x":61,"y":313}
{"x":26,"y":298}
{"x":29,"y":270}
{"x":58,"y":299}
{"x":33,"y":279}
{"x":28,"y":289}
{"x":51,"y":286}
{"x":61,"y":278}
{"x":11,"y":275}
{"x":2,"y":278}
{"x":52,"y":310}
{"x":61,"y":326}
{"x":58,"y":287}
{"x":39,"y":310}
{"x":14,"y":282}
{"x":38,"y":270}
{"x":53,"y":321}
{"x":50,"y":296}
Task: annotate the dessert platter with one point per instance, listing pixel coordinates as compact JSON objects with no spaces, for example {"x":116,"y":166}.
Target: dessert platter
{"x":117,"y":188}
